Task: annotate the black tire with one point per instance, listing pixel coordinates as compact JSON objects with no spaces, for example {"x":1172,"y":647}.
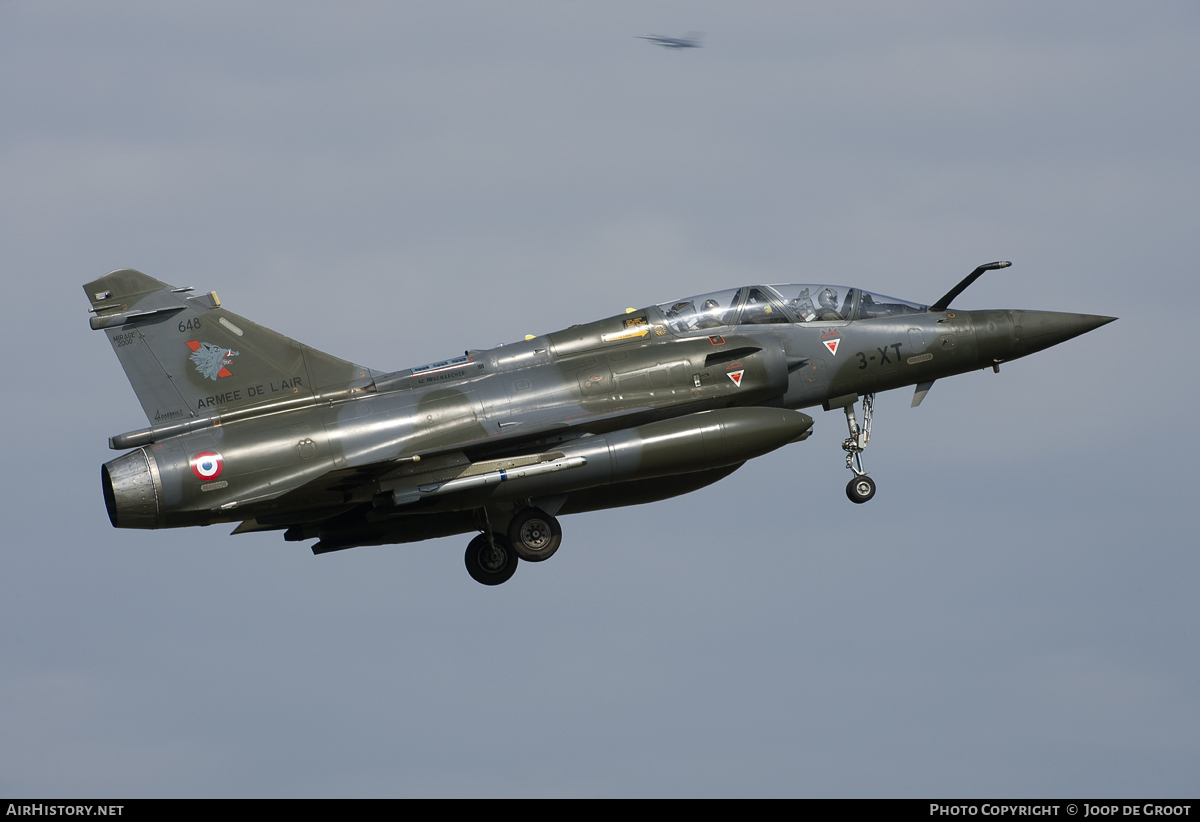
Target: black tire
{"x":534,"y":535}
{"x":860,"y":489}
{"x":484,"y":567}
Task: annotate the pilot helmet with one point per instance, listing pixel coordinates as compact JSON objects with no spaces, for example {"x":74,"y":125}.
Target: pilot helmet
{"x":711,"y":304}
{"x":828,"y":299}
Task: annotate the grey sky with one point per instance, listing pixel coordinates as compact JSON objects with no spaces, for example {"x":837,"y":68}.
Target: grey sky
{"x":1014,"y":614}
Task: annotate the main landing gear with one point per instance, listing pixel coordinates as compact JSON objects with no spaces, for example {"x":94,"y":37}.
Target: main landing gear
{"x":535,"y":535}
{"x":492,"y":557}
{"x":861,"y":488}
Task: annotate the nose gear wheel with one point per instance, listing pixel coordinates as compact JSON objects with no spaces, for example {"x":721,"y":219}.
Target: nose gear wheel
{"x":861,"y":488}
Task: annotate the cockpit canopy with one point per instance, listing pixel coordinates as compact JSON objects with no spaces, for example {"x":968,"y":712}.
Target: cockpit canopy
{"x":800,"y":304}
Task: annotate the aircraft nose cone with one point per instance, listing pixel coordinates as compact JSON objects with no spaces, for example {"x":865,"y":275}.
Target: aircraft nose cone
{"x":1037,"y":330}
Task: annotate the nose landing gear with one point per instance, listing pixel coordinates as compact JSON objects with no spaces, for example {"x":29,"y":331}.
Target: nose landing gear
{"x":861,"y":488}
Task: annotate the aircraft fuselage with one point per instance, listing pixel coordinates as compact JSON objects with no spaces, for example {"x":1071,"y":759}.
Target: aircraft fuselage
{"x":628,"y":409}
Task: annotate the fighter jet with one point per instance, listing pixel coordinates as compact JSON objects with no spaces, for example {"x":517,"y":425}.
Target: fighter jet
{"x":249,"y":426}
{"x":692,"y":41}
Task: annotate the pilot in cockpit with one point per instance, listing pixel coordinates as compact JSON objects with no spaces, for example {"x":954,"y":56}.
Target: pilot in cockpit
{"x":711,"y":316}
{"x":828,"y":300}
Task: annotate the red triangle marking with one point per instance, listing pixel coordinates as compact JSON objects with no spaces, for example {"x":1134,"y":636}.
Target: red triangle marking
{"x":224,"y":372}
{"x":195,"y":346}
{"x":736,"y":376}
{"x":832,"y":345}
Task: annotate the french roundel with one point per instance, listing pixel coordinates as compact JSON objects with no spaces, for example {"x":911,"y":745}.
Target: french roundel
{"x":207,"y":465}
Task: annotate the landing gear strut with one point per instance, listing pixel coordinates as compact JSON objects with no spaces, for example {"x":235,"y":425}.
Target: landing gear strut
{"x":861,"y":488}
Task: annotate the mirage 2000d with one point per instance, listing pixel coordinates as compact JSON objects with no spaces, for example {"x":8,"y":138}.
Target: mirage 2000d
{"x":250,"y":426}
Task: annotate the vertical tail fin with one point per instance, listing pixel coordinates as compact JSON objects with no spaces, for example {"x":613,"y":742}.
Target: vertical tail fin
{"x":188,"y":357}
